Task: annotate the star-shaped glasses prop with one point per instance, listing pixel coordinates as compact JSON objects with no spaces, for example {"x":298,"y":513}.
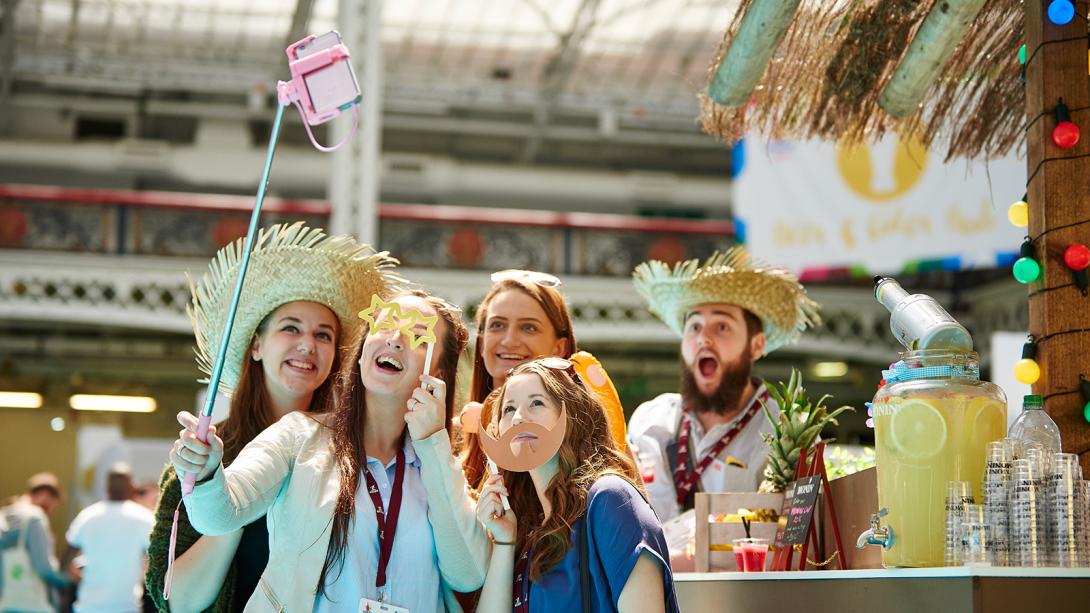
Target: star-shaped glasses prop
{"x":406,"y":321}
{"x":410,"y":323}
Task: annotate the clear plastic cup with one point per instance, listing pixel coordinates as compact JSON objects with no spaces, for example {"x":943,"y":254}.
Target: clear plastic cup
{"x":975,"y":537}
{"x":754,"y":553}
{"x":996,"y":499}
{"x":1028,"y":520}
{"x":738,"y":547}
{"x":958,"y":494}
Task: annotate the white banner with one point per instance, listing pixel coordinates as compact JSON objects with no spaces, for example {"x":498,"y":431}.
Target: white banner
{"x":824,"y":205}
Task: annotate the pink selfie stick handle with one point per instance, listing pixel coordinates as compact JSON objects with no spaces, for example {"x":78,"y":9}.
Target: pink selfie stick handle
{"x":202,"y":433}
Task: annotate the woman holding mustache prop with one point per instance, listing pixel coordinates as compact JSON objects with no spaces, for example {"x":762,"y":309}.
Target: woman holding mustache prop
{"x":578,"y":533}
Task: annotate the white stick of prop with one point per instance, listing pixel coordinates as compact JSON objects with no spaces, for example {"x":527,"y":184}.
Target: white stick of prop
{"x":503,"y":498}
{"x":427,"y":359}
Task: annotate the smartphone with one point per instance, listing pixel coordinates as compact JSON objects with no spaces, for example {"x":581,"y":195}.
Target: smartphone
{"x":330,"y":88}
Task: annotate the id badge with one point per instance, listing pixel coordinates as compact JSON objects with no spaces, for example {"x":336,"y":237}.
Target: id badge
{"x":368,"y":605}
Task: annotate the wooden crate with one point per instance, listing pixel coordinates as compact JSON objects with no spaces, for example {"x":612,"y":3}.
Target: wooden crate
{"x":713,"y":539}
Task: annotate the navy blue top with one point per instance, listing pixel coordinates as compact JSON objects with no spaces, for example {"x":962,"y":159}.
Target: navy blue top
{"x":622,"y":527}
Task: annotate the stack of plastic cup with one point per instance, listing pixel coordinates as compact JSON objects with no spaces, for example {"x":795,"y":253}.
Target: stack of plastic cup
{"x":975,"y":537}
{"x":1028,"y":539}
{"x":958,"y":494}
{"x":1064,"y":513}
{"x":996,"y":486}
{"x":1085,"y":558}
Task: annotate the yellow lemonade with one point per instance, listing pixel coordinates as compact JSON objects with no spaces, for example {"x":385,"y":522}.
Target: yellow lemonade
{"x":923,"y":441}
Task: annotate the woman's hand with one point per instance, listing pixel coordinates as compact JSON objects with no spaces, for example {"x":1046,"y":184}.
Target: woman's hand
{"x":190,"y":455}
{"x":503,"y":526}
{"x":427,"y":412}
{"x":470,"y":418}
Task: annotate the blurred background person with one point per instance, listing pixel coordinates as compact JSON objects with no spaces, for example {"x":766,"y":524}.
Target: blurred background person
{"x":112,"y":536}
{"x":29,"y":571}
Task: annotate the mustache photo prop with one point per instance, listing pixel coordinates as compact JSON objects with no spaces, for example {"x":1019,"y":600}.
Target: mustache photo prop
{"x":538,"y":447}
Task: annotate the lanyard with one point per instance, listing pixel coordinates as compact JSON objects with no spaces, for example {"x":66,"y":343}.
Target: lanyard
{"x":386,"y":519}
{"x":684,"y":480}
{"x":521,"y":591}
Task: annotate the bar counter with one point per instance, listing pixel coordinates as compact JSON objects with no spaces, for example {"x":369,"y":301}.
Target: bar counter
{"x":979,"y":589}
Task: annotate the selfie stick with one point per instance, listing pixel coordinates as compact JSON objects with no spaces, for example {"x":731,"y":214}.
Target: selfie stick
{"x":288,"y":94}
{"x":217,"y":370}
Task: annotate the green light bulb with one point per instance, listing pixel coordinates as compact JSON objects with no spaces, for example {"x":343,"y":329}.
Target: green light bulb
{"x":1086,"y":412}
{"x":1022,"y":54}
{"x":1026,"y":270}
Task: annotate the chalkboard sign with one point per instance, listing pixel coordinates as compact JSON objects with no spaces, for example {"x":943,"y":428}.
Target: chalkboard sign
{"x":798,"y":509}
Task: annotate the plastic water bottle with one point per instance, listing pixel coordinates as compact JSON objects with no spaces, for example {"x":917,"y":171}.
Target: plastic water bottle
{"x":1035,"y":426}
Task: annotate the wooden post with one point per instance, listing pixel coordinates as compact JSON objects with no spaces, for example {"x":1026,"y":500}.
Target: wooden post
{"x":1059,"y":214}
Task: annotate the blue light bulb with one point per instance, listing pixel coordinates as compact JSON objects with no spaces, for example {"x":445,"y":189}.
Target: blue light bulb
{"x":1061,"y":12}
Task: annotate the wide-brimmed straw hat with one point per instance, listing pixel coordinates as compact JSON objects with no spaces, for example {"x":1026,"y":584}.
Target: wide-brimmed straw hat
{"x":774,"y":295}
{"x":287,"y":263}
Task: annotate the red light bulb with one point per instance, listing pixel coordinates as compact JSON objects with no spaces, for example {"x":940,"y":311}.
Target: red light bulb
{"x":1077,"y":256}
{"x":1065,"y":135}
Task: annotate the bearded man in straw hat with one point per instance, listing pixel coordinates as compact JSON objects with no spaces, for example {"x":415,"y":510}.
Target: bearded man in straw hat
{"x":729,"y":312}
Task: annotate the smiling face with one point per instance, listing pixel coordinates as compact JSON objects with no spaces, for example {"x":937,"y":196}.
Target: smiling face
{"x":388,"y":363}
{"x":296,"y":349}
{"x":516,"y":330}
{"x":716,"y":341}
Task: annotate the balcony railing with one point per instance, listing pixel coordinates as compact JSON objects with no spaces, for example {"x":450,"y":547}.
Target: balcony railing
{"x":124,"y":222}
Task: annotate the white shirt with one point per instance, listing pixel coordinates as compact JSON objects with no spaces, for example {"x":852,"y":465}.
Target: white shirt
{"x":738,"y":468}
{"x":113,"y":538}
{"x":412,"y":575}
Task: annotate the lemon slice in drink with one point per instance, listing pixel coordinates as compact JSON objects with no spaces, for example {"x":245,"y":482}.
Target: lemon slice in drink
{"x":985,"y":420}
{"x":918,"y":430}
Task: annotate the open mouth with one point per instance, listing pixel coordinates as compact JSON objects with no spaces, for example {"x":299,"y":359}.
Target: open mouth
{"x":302,"y":366}
{"x":514,"y":357}
{"x":389,"y":364}
{"x":707,"y":367}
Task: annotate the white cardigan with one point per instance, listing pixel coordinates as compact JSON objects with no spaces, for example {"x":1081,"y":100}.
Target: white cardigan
{"x":289,"y":473}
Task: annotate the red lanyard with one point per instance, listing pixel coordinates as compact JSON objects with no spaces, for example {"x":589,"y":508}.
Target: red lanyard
{"x":387,"y":520}
{"x":521,"y":591}
{"x":684,"y":481}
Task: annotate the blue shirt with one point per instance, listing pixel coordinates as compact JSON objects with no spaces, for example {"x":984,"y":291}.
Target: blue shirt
{"x":622,"y":526}
{"x":412,"y":576}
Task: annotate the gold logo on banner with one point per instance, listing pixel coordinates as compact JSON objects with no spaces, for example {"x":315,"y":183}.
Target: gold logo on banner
{"x":856,"y":162}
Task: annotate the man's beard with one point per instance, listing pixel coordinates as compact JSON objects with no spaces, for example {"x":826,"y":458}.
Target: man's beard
{"x":725,"y":398}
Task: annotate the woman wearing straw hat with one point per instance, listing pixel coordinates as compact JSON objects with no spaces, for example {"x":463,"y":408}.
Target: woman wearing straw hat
{"x":297,"y":306}
{"x":729,"y":312}
{"x":366,"y":505}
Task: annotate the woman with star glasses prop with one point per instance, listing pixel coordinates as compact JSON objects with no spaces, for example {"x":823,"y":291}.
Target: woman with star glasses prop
{"x":579,"y":533}
{"x":375,"y":475}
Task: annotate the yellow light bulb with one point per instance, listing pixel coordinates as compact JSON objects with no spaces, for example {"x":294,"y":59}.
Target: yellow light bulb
{"x":1027,"y":371}
{"x":1018,"y":214}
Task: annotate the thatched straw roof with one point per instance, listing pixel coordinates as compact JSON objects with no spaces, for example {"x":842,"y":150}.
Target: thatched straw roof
{"x":825,"y":77}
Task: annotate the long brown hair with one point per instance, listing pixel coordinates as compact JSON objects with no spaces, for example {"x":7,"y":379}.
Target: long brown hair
{"x":481,"y":384}
{"x":251,"y":406}
{"x":348,"y":419}
{"x":587,"y":454}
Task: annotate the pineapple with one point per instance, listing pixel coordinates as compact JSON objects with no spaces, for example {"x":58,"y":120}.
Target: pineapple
{"x":798,"y":426}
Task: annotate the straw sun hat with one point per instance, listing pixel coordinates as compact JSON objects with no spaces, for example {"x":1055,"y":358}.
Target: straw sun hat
{"x":288,"y":263}
{"x":774,"y":295}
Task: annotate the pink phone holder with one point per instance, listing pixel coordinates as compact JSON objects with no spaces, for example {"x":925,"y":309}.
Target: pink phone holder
{"x":292,"y":92}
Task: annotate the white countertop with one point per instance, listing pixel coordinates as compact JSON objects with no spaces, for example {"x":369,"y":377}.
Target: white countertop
{"x":941,"y":572}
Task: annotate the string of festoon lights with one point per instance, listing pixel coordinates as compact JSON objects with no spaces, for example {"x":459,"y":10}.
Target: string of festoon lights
{"x":1028,"y":267}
